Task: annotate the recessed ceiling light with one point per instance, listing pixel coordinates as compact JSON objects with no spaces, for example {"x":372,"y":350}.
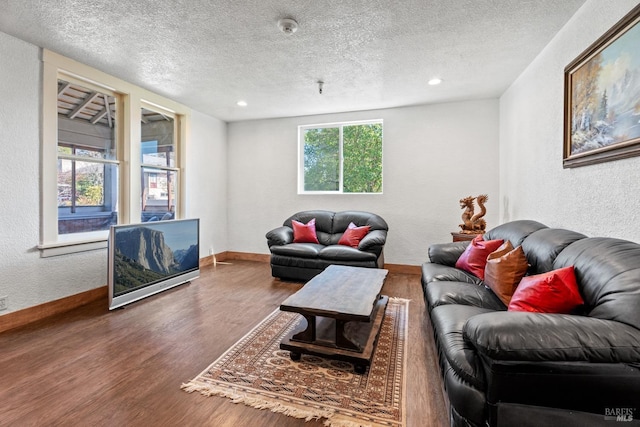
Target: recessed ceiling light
{"x":241,"y":103}
{"x":435,"y":81}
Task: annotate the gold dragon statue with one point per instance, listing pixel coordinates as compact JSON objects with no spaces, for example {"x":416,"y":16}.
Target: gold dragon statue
{"x":473,"y":223}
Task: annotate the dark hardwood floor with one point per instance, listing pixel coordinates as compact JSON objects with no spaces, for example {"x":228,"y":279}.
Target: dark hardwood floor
{"x":92,"y":367}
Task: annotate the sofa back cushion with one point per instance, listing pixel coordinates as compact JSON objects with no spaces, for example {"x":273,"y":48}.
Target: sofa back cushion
{"x":341,"y":221}
{"x":543,"y":246}
{"x":514,"y":231}
{"x":608,"y":274}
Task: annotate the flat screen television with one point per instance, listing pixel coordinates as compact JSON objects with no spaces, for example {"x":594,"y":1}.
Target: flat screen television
{"x":148,"y":258}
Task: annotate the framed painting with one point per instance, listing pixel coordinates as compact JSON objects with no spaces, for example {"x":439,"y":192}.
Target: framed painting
{"x":602,"y":97}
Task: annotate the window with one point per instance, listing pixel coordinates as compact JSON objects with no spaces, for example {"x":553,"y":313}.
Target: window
{"x":111,"y":154}
{"x":87,"y":162}
{"x":341,"y":158}
{"x":158,"y":163}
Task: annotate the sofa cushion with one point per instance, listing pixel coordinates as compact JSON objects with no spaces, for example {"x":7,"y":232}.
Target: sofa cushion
{"x":608,"y":272}
{"x":318,"y":264}
{"x":474,"y":257}
{"x":504,"y":270}
{"x":353,"y":235}
{"x":443,"y":293}
{"x":543,"y":246}
{"x":301,"y":250}
{"x":342,"y":219}
{"x":515,"y":231}
{"x":345,"y":253}
{"x":447,"y":253}
{"x":552,"y":292}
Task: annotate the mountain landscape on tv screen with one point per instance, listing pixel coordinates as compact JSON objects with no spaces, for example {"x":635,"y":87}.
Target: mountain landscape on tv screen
{"x":143,"y":257}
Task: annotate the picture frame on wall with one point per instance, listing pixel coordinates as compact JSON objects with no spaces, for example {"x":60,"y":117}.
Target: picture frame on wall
{"x":602,"y":97}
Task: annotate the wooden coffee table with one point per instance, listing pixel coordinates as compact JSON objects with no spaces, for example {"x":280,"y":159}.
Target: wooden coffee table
{"x":342,"y":313}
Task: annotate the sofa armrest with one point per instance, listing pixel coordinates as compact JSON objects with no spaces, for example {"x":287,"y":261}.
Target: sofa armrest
{"x":280,"y":236}
{"x":434,"y":272}
{"x":375,"y":239}
{"x":447,"y":253}
{"x":554,"y":360}
{"x":520,"y":336}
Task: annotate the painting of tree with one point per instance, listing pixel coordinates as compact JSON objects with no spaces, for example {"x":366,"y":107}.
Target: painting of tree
{"x":604,"y":93}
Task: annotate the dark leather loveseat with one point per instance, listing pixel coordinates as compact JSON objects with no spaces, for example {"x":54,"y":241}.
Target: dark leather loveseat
{"x":302,"y":261}
{"x":506,"y":368}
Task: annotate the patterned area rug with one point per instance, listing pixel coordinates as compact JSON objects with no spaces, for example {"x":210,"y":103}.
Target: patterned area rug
{"x":254,"y":371}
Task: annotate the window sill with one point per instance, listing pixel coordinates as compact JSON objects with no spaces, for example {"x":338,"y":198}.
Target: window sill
{"x":336,"y":193}
{"x":74,"y":243}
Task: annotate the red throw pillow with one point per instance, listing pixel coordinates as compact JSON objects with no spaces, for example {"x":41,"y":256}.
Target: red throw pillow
{"x":304,"y":233}
{"x":552,"y":292}
{"x":474,"y":258}
{"x":353,"y":234}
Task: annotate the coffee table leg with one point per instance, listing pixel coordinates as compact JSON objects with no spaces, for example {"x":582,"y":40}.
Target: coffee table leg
{"x":294,"y":356}
{"x":359,"y":369}
{"x":341,"y":340}
{"x":309,"y":334}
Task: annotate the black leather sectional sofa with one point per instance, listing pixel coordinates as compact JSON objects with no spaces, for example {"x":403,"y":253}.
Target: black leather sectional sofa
{"x":302,"y":261}
{"x":507,"y":368}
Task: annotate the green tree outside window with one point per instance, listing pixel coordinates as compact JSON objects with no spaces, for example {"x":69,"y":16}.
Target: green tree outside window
{"x":351,"y":153}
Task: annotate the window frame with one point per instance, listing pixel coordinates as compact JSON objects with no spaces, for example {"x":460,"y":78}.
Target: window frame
{"x":340,"y":126}
{"x":105,"y":160}
{"x":159,"y":169}
{"x":73,"y":158}
{"x":130,"y":99}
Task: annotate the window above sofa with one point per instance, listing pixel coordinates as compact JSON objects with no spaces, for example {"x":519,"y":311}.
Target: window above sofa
{"x":340,"y":158}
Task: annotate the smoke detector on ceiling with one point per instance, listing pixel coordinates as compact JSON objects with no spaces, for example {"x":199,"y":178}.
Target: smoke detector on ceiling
{"x":288,"y":25}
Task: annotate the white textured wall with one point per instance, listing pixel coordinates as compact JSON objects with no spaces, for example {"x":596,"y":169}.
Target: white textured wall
{"x":597,"y":200}
{"x":433,"y":156}
{"x":206,"y":175}
{"x":29,"y":280}
{"x":26,"y":278}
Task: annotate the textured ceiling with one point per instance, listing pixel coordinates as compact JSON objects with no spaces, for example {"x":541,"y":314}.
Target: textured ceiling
{"x":370,"y":53}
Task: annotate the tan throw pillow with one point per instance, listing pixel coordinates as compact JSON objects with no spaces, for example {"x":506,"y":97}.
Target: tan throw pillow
{"x":503,"y":249}
{"x":504,"y":270}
